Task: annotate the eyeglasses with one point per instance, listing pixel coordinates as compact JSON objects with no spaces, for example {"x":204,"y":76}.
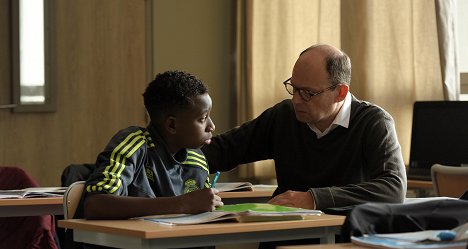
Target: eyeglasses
{"x":305,"y":94}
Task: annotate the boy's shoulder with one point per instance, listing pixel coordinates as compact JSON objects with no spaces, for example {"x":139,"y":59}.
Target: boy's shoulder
{"x":130,"y":133}
{"x":133,"y":129}
{"x":196,"y":154}
{"x":196,"y":158}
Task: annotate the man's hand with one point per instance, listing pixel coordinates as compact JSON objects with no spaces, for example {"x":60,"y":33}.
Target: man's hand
{"x":203,"y":200}
{"x":294,"y":199}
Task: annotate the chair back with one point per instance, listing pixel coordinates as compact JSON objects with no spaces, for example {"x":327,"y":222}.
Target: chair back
{"x":71,"y":198}
{"x":450,"y":181}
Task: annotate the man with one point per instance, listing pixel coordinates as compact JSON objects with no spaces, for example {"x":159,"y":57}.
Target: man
{"x":330,"y":149}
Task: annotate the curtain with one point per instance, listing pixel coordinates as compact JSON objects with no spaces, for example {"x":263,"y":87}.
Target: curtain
{"x":393,"y":46}
{"x":270,"y":36}
{"x":446,"y":11}
{"x":394,"y":52}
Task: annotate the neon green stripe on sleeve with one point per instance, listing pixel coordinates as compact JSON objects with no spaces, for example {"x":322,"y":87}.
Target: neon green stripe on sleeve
{"x":114,"y":164}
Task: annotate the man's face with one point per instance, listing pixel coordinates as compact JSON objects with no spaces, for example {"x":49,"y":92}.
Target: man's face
{"x":194,"y":125}
{"x":310,"y":74}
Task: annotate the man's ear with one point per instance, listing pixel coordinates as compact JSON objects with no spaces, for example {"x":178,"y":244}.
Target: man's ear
{"x":343,"y":90}
{"x":170,"y":124}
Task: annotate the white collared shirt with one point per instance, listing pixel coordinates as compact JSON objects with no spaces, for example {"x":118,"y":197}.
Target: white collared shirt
{"x":341,"y":119}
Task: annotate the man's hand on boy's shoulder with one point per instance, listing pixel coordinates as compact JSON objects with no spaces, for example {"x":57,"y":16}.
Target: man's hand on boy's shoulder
{"x":203,"y":200}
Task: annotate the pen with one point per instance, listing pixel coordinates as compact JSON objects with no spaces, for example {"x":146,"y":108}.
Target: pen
{"x":215,"y":178}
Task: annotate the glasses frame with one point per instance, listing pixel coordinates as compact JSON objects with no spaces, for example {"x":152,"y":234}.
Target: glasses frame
{"x":305,"y":94}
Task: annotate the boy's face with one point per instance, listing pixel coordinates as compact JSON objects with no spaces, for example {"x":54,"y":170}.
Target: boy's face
{"x":194,"y":125}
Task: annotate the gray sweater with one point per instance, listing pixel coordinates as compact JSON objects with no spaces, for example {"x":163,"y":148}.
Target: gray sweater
{"x":349,"y":166}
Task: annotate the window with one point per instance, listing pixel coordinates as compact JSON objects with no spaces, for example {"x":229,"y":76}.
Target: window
{"x":32,"y":88}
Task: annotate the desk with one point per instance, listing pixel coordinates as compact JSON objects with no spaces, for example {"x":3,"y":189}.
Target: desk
{"x":421,"y":188}
{"x":31,"y":206}
{"x":418,"y":184}
{"x":255,"y":196}
{"x":54,"y":205}
{"x":144,"y":235}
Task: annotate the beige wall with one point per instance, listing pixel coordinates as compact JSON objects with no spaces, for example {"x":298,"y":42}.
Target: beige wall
{"x":100,"y":72}
{"x":99,"y":64}
{"x":199,"y":37}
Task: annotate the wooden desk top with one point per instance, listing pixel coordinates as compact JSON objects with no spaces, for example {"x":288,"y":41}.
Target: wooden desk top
{"x":247,"y":194}
{"x":31,"y":206}
{"x":31,"y":201}
{"x":419,"y":184}
{"x":150,"y":230}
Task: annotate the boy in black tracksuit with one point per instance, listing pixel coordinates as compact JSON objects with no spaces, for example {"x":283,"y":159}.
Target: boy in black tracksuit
{"x":158,"y":169}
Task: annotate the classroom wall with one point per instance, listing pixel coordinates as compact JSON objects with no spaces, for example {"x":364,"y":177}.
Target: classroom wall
{"x":99,"y":64}
{"x":100,"y":70}
{"x":199,"y":37}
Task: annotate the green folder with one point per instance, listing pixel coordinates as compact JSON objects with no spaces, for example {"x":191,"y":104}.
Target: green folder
{"x":265,"y":208}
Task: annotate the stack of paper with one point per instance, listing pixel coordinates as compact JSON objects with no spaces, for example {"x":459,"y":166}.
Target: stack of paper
{"x":32,"y":192}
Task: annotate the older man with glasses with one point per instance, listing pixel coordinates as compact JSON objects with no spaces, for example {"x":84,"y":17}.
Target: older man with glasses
{"x":330,"y":149}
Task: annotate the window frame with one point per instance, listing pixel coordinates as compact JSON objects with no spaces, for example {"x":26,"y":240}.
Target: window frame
{"x":49,"y":104}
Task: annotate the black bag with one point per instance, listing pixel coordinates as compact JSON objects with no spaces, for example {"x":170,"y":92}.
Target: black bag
{"x":371,"y":218}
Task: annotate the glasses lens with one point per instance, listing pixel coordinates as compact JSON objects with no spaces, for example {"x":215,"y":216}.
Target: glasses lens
{"x":304,"y":95}
{"x":289,"y":88}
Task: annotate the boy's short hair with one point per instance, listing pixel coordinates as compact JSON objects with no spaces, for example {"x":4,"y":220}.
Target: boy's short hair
{"x":171,"y":91}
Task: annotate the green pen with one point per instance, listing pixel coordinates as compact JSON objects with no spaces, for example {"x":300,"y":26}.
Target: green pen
{"x":215,"y":178}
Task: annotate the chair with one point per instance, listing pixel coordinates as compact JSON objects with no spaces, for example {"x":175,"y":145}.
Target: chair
{"x":76,"y":172}
{"x":27,"y":231}
{"x":72,"y":198}
{"x":71,"y":174}
{"x":449,"y":181}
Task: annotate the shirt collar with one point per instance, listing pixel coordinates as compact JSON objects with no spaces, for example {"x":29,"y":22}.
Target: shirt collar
{"x":343,"y":115}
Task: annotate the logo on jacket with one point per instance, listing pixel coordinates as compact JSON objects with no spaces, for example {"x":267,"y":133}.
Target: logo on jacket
{"x":149,"y":174}
{"x":190,"y":185}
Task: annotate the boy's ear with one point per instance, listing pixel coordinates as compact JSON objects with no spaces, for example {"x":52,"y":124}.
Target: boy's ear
{"x":170,"y":124}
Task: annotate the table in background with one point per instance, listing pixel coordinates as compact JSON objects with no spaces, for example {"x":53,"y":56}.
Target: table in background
{"x":31,"y":206}
{"x":419,"y":184}
{"x":143,"y":234}
{"x":422,"y":188}
{"x":258,"y":195}
{"x":54,"y":205}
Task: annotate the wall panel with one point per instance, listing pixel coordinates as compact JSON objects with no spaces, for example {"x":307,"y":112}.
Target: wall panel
{"x":99,"y":66}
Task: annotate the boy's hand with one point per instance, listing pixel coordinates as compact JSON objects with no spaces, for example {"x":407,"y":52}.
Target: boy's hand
{"x":203,"y":200}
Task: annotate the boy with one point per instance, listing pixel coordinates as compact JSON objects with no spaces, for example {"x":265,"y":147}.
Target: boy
{"x":158,"y":169}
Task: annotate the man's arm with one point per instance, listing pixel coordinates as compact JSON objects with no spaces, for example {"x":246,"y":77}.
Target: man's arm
{"x":247,"y":143}
{"x":108,"y":206}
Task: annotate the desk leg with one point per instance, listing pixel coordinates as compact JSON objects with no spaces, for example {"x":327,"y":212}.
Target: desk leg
{"x":329,"y":237}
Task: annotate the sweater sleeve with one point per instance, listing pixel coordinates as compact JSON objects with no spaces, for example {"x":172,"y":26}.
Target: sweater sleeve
{"x":247,"y":143}
{"x":384,"y":168}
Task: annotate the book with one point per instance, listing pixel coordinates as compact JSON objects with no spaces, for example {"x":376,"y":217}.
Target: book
{"x":234,"y":186}
{"x":245,"y":212}
{"x":449,"y":239}
{"x":32,"y":192}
